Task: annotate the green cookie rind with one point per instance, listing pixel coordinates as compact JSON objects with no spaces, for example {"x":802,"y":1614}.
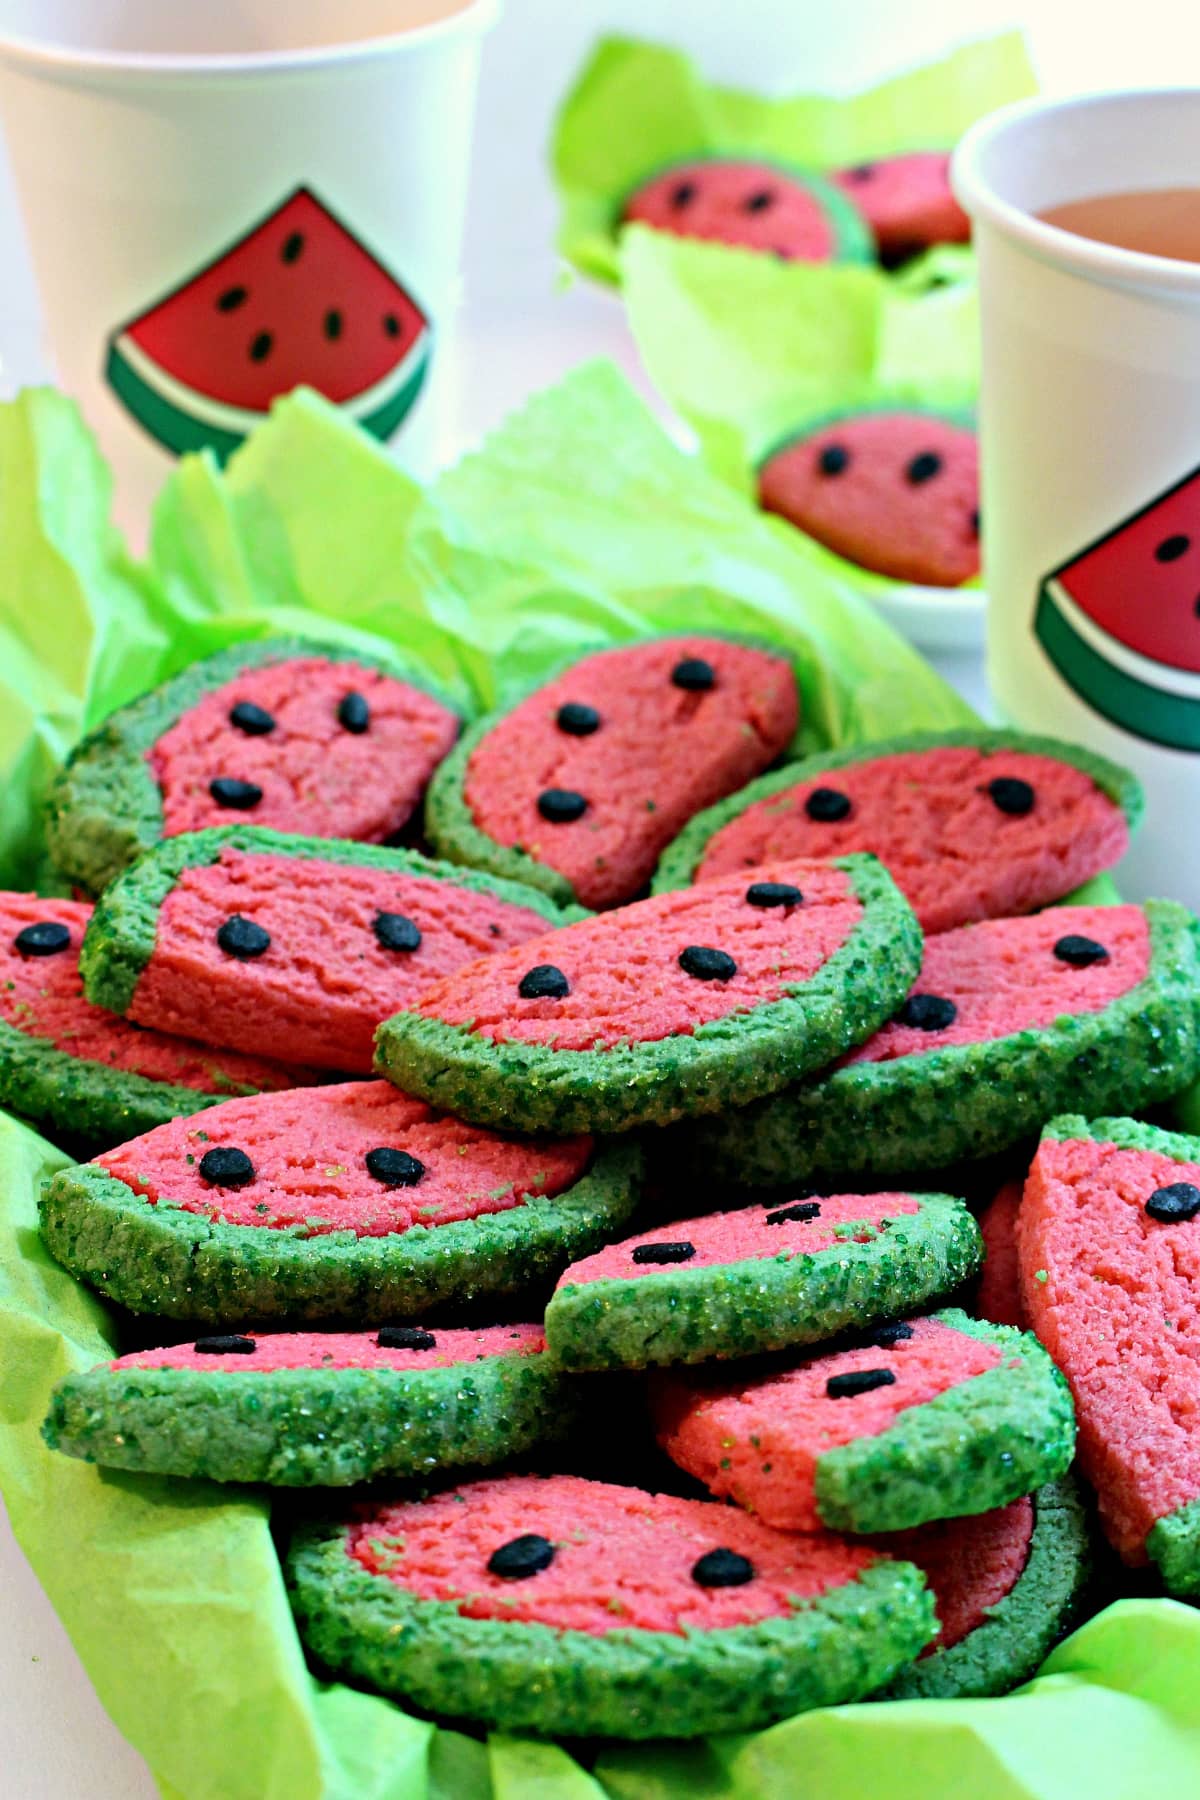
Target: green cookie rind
{"x":105,"y":807}
{"x":120,"y":936}
{"x":529,"y":1087}
{"x":1020,"y":1630}
{"x":679,"y":1314}
{"x":162,"y":1259}
{"x":942,"y":1106}
{"x":978,"y":1445}
{"x":627,"y":1683}
{"x":1173,"y":1543}
{"x":1126,"y":1134}
{"x":680,"y":860}
{"x":308,"y":1427}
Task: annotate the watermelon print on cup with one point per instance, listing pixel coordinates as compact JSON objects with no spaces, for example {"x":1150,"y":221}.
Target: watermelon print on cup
{"x":1120,"y":621}
{"x":576,"y":1608}
{"x":349,"y":1203}
{"x":299,"y":300}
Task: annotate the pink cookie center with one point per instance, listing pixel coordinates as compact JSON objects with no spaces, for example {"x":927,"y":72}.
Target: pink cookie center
{"x":971,"y":1564}
{"x":751,"y":204}
{"x":343,"y":1350}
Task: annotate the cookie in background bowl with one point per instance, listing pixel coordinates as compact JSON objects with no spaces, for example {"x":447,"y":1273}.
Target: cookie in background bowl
{"x":907,"y":201}
{"x":753,"y":205}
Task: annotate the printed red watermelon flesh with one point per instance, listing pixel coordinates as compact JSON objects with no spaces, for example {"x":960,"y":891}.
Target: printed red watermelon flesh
{"x":759,"y":1441}
{"x":998,"y":1293}
{"x":344,"y":1350}
{"x":623,"y":1558}
{"x":971,"y":1564}
{"x":308,"y":1153}
{"x":325,"y":982}
{"x":773,"y":948}
{"x":316,"y":777}
{"x":42,"y":996}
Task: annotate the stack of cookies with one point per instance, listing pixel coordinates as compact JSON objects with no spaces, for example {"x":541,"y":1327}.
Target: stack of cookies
{"x":590,"y":1173}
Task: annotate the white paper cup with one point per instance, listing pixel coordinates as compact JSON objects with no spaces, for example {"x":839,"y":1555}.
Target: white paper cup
{"x":149,"y":137}
{"x":1090,"y":422}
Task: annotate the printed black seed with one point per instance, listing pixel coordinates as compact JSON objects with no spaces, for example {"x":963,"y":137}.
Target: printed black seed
{"x":521,"y":1557}
{"x":834,"y":459}
{"x":333,"y":324}
{"x":230,"y":1345}
{"x":928,"y":1012}
{"x":923,"y":467}
{"x":801,"y":1214}
{"x":242,"y":938}
{"x":391,"y":325}
{"x":394,"y":1168}
{"x":683,"y":193}
{"x":722,"y":1568}
{"x":773,"y":893}
{"x":705,"y":964}
{"x":664,"y":1253}
{"x":46,"y":938}
{"x":857,"y":1381}
{"x":293,"y":244}
{"x":226,"y":790}
{"x":576,"y":719}
{"x":1170,"y":1205}
{"x":1172,"y":548}
{"x":543,"y":982}
{"x":394,"y":932}
{"x":1079,"y":952}
{"x":255,"y":721}
{"x":231,"y":299}
{"x":561,"y":806}
{"x":694,"y":675}
{"x":1011,"y":795}
{"x":353,"y":713}
{"x":760,"y":201}
{"x":260,"y":346}
{"x":827,"y":805}
{"x":227,"y":1168}
{"x":895,"y":1331}
{"x":405,"y":1337}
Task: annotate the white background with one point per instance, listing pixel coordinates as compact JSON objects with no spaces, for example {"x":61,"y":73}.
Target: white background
{"x":517,"y":333}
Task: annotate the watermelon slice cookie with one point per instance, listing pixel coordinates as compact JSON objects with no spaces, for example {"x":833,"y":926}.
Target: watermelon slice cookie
{"x":998,"y":1291}
{"x":315,"y":1409}
{"x":297,"y":300}
{"x":1120,"y":620}
{"x":972,"y":824}
{"x":759,"y":1278}
{"x":264,"y":941}
{"x":1007,"y":1585}
{"x":580,"y":787}
{"x":752,"y":205}
{"x":71,"y":1065}
{"x":344,"y":1203}
{"x":569,"y":1607}
{"x":1110,"y":1277}
{"x":893,"y":490}
{"x":925,"y":1419}
{"x":298,"y":736}
{"x":907,"y":202}
{"x":681,"y":1004}
{"x":1011,"y":1021}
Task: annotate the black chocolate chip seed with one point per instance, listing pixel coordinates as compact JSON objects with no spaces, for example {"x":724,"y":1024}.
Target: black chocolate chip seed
{"x":664,"y":1253}
{"x":923,"y":468}
{"x":1174,"y":1204}
{"x":975,"y":522}
{"x":228,"y":1345}
{"x":1172,"y":548}
{"x":683,"y":193}
{"x":1079,"y":952}
{"x":405,"y":1337}
{"x":801,"y":1214}
{"x":255,"y":721}
{"x":760,"y":201}
{"x":395,"y":1168}
{"x":893,"y":1331}
{"x":46,"y":938}
{"x":773,"y":893}
{"x":694,"y":675}
{"x":705,"y":964}
{"x":242,"y":938}
{"x":231,"y":299}
{"x":857,"y":1381}
{"x":521,"y":1557}
{"x":834,"y":459}
{"x":353,"y":714}
{"x":226,"y":790}
{"x":260,"y":346}
{"x":227,"y":1168}
{"x":1011,"y":795}
{"x":576,"y":719}
{"x":862,"y":172}
{"x":928,"y":1012}
{"x":722,"y":1568}
{"x":394,"y":932}
{"x":543,"y":982}
{"x":827,"y":805}
{"x":561,"y":806}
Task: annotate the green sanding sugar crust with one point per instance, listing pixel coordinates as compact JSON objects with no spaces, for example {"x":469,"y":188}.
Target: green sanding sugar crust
{"x":930,"y":1110}
{"x":315,"y":1426}
{"x":725,"y":1061}
{"x":105,"y":808}
{"x":883,"y":1260}
{"x":1008,"y":1646}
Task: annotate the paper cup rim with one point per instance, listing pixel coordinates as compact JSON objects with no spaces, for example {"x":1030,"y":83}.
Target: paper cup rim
{"x":37,"y":57}
{"x":1050,"y":243}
